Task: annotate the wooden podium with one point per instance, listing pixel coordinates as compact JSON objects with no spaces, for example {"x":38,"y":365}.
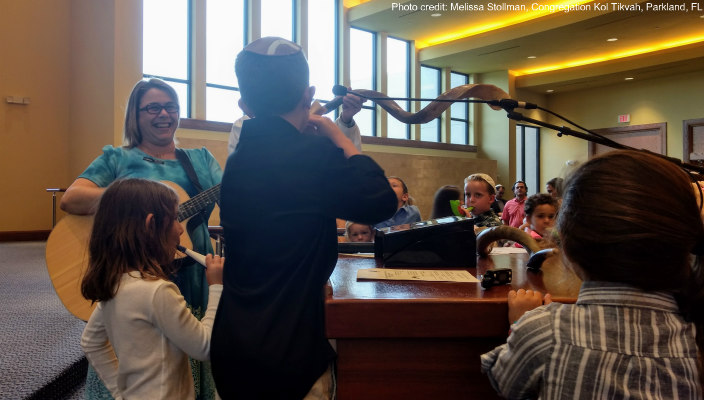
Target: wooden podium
{"x":422,"y":340}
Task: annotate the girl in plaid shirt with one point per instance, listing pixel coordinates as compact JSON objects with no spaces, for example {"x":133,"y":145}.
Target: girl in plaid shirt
{"x":629,"y":225}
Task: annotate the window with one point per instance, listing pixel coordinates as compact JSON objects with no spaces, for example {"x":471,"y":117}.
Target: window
{"x":429,"y":89}
{"x":362,"y":68}
{"x":528,"y":156}
{"x":198,"y":61}
{"x":170,"y":35}
{"x":224,"y":39}
{"x":165,"y":46}
{"x":459,"y":113}
{"x":322,"y":54}
{"x":277,"y":19}
{"x":397,"y":78}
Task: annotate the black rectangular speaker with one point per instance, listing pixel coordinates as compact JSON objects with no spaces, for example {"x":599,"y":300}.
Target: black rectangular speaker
{"x":442,"y":242}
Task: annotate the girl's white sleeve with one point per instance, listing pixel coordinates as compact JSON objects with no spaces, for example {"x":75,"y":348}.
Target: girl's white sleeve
{"x":174,"y":319}
{"x":99,"y":351}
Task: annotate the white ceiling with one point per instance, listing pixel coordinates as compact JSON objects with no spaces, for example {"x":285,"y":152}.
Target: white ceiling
{"x":552,"y":39}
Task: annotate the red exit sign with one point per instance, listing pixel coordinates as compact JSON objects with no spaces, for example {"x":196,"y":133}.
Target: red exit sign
{"x":624,"y":118}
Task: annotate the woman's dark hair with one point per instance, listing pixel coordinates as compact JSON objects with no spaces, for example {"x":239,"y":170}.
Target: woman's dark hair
{"x":557,"y":184}
{"x":132,"y":134}
{"x":121,"y":241}
{"x":538,"y":200}
{"x":441,"y":202}
{"x":614,"y":229}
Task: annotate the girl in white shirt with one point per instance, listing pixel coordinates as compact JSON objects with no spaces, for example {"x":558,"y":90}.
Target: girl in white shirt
{"x":140,"y":335}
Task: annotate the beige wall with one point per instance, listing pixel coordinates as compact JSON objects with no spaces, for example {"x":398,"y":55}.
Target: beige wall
{"x":77,"y":61}
{"x":35,"y":51}
{"x":106,"y":61}
{"x":491,"y":130}
{"x":423,"y":170}
{"x":671,"y":100}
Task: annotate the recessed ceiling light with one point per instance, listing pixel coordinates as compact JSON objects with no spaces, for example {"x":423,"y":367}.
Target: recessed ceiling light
{"x":629,"y":78}
{"x":549,"y":90}
{"x":532,"y":57}
{"x":435,"y":15}
{"x":613,"y":39}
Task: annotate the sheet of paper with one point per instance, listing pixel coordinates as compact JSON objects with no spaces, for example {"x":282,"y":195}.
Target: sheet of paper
{"x":508,"y":250}
{"x":429,"y":275}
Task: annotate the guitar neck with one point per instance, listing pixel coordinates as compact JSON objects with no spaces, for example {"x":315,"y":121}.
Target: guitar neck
{"x":198,"y":203}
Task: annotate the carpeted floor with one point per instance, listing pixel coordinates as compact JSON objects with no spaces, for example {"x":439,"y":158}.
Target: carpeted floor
{"x":41,"y":357}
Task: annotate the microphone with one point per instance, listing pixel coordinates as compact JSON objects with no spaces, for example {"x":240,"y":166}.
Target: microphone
{"x":339,"y":90}
{"x":510,"y":104}
{"x":199,"y":258}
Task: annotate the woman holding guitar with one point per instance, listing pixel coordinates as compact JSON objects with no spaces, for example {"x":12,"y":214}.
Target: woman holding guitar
{"x":150,"y":152}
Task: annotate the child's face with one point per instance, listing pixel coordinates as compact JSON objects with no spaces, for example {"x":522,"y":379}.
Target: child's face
{"x":476,"y":194}
{"x":542,"y":218}
{"x":360,"y":233}
{"x":397,"y":186}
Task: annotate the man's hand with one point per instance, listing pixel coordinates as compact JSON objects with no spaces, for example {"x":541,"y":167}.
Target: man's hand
{"x":524,"y":300}
{"x":351,"y":105}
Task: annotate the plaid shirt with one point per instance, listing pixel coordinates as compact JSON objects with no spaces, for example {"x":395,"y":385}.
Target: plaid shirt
{"x":615,"y":342}
{"x":488,"y":218}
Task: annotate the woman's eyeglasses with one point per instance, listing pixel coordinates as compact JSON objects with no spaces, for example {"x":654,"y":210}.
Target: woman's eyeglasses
{"x":155,"y":108}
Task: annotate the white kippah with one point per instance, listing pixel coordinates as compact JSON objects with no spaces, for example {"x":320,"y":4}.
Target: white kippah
{"x":273,"y":46}
{"x":486,"y":177}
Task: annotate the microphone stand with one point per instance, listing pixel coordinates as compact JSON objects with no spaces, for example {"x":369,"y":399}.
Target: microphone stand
{"x":509,"y":105}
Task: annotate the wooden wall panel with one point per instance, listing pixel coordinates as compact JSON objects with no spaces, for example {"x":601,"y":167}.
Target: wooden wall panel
{"x":425,"y":174}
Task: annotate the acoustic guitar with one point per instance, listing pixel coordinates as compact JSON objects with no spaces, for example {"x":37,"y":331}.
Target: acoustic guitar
{"x":67,"y":247}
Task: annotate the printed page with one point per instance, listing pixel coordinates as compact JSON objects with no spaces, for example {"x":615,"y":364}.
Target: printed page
{"x":428,"y":275}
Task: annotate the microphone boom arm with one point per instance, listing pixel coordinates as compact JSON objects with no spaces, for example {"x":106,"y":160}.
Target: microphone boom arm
{"x":563,"y":130}
{"x":497,"y":99}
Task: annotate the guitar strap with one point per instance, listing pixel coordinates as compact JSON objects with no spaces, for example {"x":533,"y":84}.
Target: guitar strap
{"x":193,"y":177}
{"x":188,"y":167}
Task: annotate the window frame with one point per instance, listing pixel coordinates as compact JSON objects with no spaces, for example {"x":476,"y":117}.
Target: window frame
{"x":438,"y":120}
{"x":466,"y":108}
{"x":195,"y":106}
{"x":375,"y":68}
{"x":408,"y":83}
{"x":521,"y":170}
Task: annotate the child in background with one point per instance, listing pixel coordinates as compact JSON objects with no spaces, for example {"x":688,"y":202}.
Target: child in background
{"x":638,"y":323}
{"x":140,"y":335}
{"x":406,"y":212}
{"x":541,"y":210}
{"x":441,"y":201}
{"x":355,"y":232}
{"x":479,"y":194}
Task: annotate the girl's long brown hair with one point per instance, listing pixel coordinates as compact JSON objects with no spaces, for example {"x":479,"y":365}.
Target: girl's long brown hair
{"x":121,"y":241}
{"x":631,"y":217}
